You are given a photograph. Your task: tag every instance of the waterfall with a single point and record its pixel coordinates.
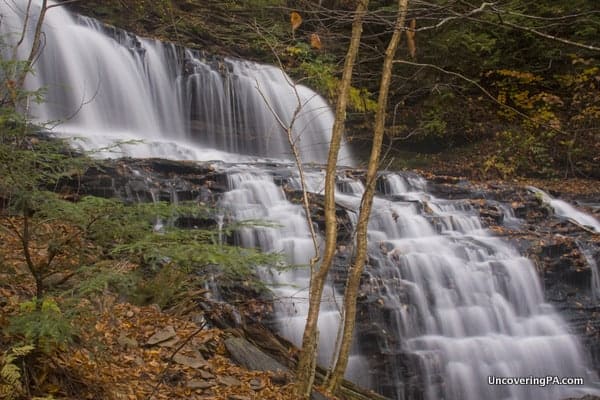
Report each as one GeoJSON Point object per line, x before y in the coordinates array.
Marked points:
{"type": "Point", "coordinates": [466, 304]}
{"type": "Point", "coordinates": [107, 86]}
{"type": "Point", "coordinates": [444, 305]}
{"type": "Point", "coordinates": [254, 196]}
{"type": "Point", "coordinates": [594, 270]}
{"type": "Point", "coordinates": [566, 210]}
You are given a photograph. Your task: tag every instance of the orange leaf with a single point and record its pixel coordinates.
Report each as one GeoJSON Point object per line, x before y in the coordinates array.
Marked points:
{"type": "Point", "coordinates": [410, 38]}
{"type": "Point", "coordinates": [295, 20]}
{"type": "Point", "coordinates": [315, 41]}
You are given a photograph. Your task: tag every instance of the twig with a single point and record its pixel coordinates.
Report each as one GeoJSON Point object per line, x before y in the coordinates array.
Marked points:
{"type": "Point", "coordinates": [584, 227]}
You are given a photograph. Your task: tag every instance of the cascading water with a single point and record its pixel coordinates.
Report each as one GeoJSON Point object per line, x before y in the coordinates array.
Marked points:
{"type": "Point", "coordinates": [595, 271]}
{"type": "Point", "coordinates": [565, 210]}
{"type": "Point", "coordinates": [466, 304]}
{"type": "Point", "coordinates": [107, 85]}
{"type": "Point", "coordinates": [461, 303]}
{"type": "Point", "coordinates": [254, 196]}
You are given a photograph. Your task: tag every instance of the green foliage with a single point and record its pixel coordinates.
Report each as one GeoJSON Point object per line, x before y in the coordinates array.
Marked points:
{"type": "Point", "coordinates": [194, 251]}
{"type": "Point", "coordinates": [433, 124]}
{"type": "Point", "coordinates": [102, 278]}
{"type": "Point", "coordinates": [162, 287]}
{"type": "Point", "coordinates": [10, 374]}
{"type": "Point", "coordinates": [320, 73]}
{"type": "Point", "coordinates": [43, 324]}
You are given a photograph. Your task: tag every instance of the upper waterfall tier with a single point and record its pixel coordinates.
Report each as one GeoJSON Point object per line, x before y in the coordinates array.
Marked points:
{"type": "Point", "coordinates": [106, 85]}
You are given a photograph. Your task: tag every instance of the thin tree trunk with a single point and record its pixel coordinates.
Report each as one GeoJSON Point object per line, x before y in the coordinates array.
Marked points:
{"type": "Point", "coordinates": [305, 370]}
{"type": "Point", "coordinates": [36, 46]}
{"type": "Point", "coordinates": [355, 273]}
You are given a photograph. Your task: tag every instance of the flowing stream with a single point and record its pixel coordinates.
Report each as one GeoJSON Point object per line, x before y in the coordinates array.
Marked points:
{"type": "Point", "coordinates": [439, 290]}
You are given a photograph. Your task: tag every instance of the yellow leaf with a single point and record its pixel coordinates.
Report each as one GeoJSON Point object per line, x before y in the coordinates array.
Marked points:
{"type": "Point", "coordinates": [295, 20]}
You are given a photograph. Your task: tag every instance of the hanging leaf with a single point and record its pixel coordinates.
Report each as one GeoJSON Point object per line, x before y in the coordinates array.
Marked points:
{"type": "Point", "coordinates": [295, 20]}
{"type": "Point", "coordinates": [315, 41]}
{"type": "Point", "coordinates": [410, 38]}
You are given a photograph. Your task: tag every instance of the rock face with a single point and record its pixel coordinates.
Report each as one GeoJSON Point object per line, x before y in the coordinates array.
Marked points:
{"type": "Point", "coordinates": [150, 180]}
{"type": "Point", "coordinates": [564, 253]}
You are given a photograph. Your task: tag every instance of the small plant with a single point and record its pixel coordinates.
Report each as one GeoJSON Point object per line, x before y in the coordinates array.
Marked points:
{"type": "Point", "coordinates": [11, 375]}
{"type": "Point", "coordinates": [44, 327]}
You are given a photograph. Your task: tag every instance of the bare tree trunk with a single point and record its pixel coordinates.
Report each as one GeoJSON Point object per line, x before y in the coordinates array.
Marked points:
{"type": "Point", "coordinates": [354, 275]}
{"type": "Point", "coordinates": [307, 360]}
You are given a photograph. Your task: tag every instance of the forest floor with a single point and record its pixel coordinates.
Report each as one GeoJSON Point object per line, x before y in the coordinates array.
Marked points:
{"type": "Point", "coordinates": [123, 351]}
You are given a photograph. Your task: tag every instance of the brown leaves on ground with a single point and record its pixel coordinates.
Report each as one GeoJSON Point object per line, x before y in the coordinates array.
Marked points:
{"type": "Point", "coordinates": [111, 357]}
{"type": "Point", "coordinates": [126, 367]}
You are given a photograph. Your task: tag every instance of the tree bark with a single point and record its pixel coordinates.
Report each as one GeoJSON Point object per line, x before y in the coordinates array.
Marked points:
{"type": "Point", "coordinates": [353, 280]}
{"type": "Point", "coordinates": [305, 370]}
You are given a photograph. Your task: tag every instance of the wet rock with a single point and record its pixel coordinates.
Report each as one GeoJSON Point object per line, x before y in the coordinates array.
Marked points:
{"type": "Point", "coordinates": [193, 362]}
{"type": "Point", "coordinates": [460, 190]}
{"type": "Point", "coordinates": [170, 342]}
{"type": "Point", "coordinates": [491, 214]}
{"type": "Point", "coordinates": [250, 356]}
{"type": "Point", "coordinates": [205, 374]}
{"type": "Point", "coordinates": [162, 335]}
{"type": "Point", "coordinates": [200, 384]}
{"type": "Point", "coordinates": [280, 378]}
{"type": "Point", "coordinates": [257, 384]}
{"type": "Point", "coordinates": [228, 381]}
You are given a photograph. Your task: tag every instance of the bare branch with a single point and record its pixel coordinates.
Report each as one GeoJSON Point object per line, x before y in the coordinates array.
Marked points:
{"type": "Point", "coordinates": [483, 90]}
{"type": "Point", "coordinates": [478, 10]}
{"type": "Point", "coordinates": [471, 81]}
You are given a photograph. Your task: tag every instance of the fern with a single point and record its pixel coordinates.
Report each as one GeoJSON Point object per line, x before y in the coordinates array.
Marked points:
{"type": "Point", "coordinates": [10, 374]}
{"type": "Point", "coordinates": [46, 326]}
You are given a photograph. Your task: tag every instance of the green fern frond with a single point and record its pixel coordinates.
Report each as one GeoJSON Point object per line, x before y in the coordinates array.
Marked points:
{"type": "Point", "coordinates": [10, 374]}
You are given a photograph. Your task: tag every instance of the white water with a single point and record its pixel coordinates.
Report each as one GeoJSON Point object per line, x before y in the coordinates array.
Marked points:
{"type": "Point", "coordinates": [595, 271]}
{"type": "Point", "coordinates": [564, 209]}
{"type": "Point", "coordinates": [464, 303]}
{"type": "Point", "coordinates": [106, 85]}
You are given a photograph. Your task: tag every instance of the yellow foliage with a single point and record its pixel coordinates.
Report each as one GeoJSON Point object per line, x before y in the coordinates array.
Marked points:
{"type": "Point", "coordinates": [10, 374]}
{"type": "Point", "coordinates": [524, 77]}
